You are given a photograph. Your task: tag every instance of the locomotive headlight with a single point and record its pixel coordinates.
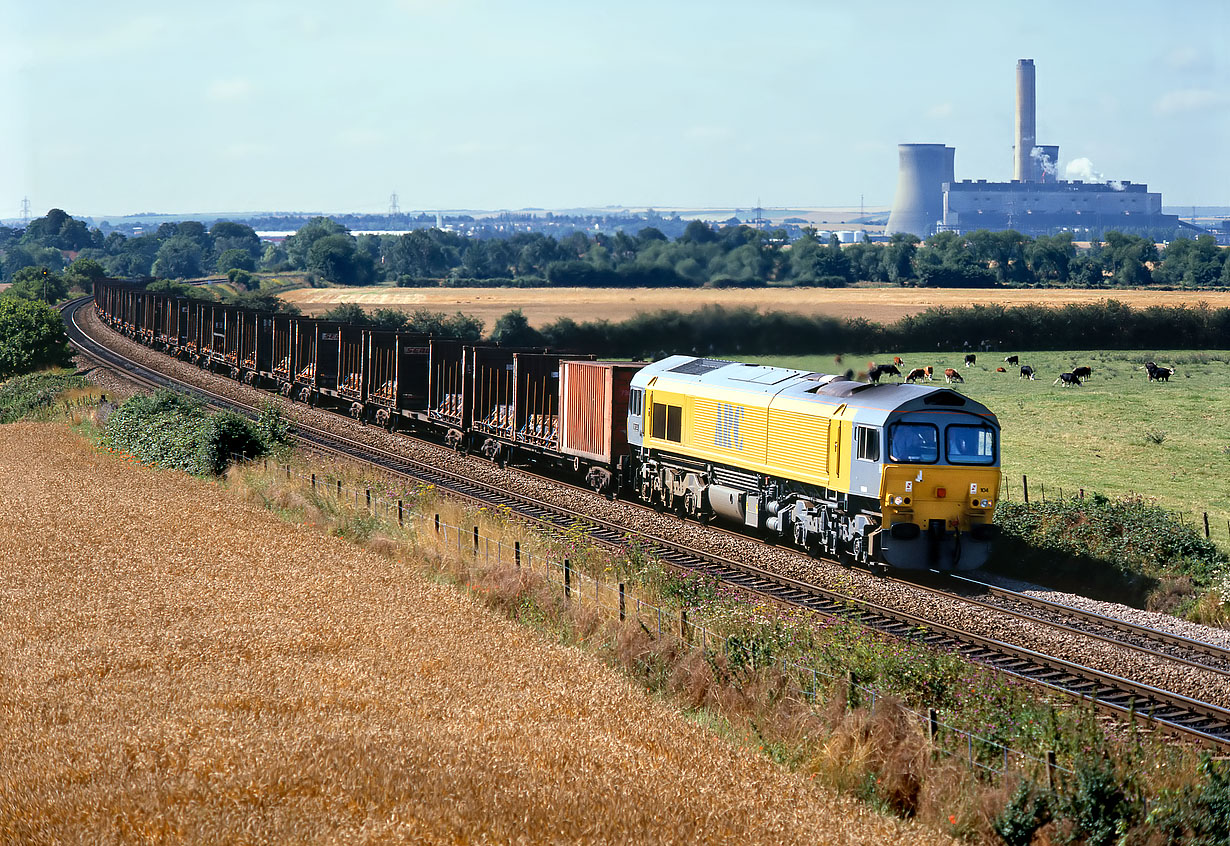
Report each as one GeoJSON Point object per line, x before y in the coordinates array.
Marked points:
{"type": "Point", "coordinates": [986, 503]}
{"type": "Point", "coordinates": [897, 500]}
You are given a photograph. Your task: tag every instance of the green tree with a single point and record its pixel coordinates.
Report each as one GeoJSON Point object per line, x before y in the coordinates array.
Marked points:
{"type": "Point", "coordinates": [514, 330]}
{"type": "Point", "coordinates": [337, 258]}
{"type": "Point", "coordinates": [300, 244]}
{"type": "Point", "coordinates": [352, 313]}
{"type": "Point", "coordinates": [264, 301]}
{"type": "Point", "coordinates": [58, 230]}
{"type": "Point", "coordinates": [899, 257]}
{"type": "Point", "coordinates": [31, 337]}
{"type": "Point", "coordinates": [227, 235]}
{"type": "Point", "coordinates": [179, 257]}
{"type": "Point", "coordinates": [37, 283]}
{"type": "Point", "coordinates": [236, 258]}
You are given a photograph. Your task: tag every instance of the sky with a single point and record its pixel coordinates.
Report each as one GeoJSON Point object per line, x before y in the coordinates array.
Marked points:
{"type": "Point", "coordinates": [118, 108]}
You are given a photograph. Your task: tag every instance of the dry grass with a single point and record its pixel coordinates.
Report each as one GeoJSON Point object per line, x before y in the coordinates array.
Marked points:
{"type": "Point", "coordinates": [177, 665]}
{"type": "Point", "coordinates": [543, 305]}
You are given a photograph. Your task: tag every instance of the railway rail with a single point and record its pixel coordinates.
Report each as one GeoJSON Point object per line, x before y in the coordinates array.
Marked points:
{"type": "Point", "coordinates": [1207, 722]}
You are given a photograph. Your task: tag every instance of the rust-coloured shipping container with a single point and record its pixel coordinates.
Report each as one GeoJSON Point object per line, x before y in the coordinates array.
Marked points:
{"type": "Point", "coordinates": [594, 408]}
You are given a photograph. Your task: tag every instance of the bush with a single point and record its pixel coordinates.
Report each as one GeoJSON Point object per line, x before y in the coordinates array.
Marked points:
{"type": "Point", "coordinates": [226, 435]}
{"type": "Point", "coordinates": [174, 431]}
{"type": "Point", "coordinates": [1100, 804]}
{"type": "Point", "coordinates": [24, 396]}
{"type": "Point", "coordinates": [1027, 811]}
{"type": "Point", "coordinates": [1193, 814]}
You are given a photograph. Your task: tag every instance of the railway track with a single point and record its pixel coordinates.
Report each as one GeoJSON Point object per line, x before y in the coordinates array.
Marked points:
{"type": "Point", "coordinates": [1205, 721]}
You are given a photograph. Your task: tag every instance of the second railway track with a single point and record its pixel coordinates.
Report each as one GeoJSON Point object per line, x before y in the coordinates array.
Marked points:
{"type": "Point", "coordinates": [1208, 721]}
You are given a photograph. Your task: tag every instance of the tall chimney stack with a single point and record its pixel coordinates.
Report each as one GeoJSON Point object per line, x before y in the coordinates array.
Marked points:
{"type": "Point", "coordinates": [1026, 131]}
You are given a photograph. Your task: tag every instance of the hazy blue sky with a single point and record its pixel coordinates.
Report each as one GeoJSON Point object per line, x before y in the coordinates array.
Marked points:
{"type": "Point", "coordinates": [116, 108]}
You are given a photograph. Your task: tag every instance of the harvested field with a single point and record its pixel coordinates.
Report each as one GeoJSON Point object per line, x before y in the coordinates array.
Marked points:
{"type": "Point", "coordinates": [175, 665]}
{"type": "Point", "coordinates": [884, 305]}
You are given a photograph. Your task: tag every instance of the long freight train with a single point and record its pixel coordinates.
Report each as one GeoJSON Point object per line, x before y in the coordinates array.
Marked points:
{"type": "Point", "coordinates": [888, 475]}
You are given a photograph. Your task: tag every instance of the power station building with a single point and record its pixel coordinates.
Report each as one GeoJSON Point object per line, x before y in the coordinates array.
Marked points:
{"type": "Point", "coordinates": [1035, 202]}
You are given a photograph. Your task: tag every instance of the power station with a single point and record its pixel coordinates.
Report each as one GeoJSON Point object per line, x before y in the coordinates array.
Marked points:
{"type": "Point", "coordinates": [1036, 202]}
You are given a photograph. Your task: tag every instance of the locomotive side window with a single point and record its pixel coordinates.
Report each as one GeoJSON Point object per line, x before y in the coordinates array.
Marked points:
{"type": "Point", "coordinates": [970, 444]}
{"type": "Point", "coordinates": [634, 402]}
{"type": "Point", "coordinates": [667, 422]}
{"type": "Point", "coordinates": [866, 443]}
{"type": "Point", "coordinates": [914, 443]}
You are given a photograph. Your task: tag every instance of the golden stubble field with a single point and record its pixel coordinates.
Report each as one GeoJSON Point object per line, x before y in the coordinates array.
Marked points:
{"type": "Point", "coordinates": [175, 665]}
{"type": "Point", "coordinates": [883, 305]}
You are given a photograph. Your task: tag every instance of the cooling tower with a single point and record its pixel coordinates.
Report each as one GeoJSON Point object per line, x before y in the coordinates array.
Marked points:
{"type": "Point", "coordinates": [922, 172]}
{"type": "Point", "coordinates": [1026, 115]}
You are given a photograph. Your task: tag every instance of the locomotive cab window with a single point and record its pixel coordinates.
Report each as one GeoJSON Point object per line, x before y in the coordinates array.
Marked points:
{"type": "Point", "coordinates": [667, 422]}
{"type": "Point", "coordinates": [634, 402]}
{"type": "Point", "coordinates": [970, 444]}
{"type": "Point", "coordinates": [866, 443]}
{"type": "Point", "coordinates": [914, 443]}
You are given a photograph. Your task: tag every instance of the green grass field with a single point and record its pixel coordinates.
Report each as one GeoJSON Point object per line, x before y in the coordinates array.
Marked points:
{"type": "Point", "coordinates": [1103, 436]}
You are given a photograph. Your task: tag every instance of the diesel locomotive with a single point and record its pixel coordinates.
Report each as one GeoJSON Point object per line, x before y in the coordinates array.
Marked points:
{"type": "Point", "coordinates": [880, 475]}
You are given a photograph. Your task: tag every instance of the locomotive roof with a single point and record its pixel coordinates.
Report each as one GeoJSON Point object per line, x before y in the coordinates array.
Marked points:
{"type": "Point", "coordinates": [876, 401]}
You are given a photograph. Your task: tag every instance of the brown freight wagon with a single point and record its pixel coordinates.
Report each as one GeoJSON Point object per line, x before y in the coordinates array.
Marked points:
{"type": "Point", "coordinates": [594, 419]}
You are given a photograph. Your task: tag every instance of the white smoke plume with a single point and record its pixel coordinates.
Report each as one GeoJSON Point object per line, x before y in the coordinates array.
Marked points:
{"type": "Point", "coordinates": [1082, 169]}
{"type": "Point", "coordinates": [1044, 161]}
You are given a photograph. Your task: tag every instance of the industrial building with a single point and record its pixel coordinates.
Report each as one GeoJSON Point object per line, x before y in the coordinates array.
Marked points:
{"type": "Point", "coordinates": [1035, 202]}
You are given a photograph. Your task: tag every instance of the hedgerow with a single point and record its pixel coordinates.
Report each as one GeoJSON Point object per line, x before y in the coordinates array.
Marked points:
{"type": "Point", "coordinates": [1123, 547]}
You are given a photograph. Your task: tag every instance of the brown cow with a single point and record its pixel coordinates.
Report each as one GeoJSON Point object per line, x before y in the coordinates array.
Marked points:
{"type": "Point", "coordinates": [1000, 370]}
{"type": "Point", "coordinates": [916, 374]}
{"type": "Point", "coordinates": [897, 360]}
{"type": "Point", "coordinates": [930, 371]}
{"type": "Point", "coordinates": [951, 376]}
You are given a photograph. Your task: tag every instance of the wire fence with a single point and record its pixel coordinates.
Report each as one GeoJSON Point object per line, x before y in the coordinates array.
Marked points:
{"type": "Point", "coordinates": [811, 684]}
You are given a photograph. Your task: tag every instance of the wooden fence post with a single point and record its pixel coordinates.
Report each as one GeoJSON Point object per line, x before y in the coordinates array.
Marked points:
{"type": "Point", "coordinates": [567, 580]}
{"type": "Point", "coordinates": [1025, 487]}
{"type": "Point", "coordinates": [400, 517]}
{"type": "Point", "coordinates": [517, 554]}
{"type": "Point", "coordinates": [476, 541]}
{"type": "Point", "coordinates": [933, 724]}
{"type": "Point", "coordinates": [313, 481]}
{"type": "Point", "coordinates": [1050, 769]}
{"type": "Point", "coordinates": [621, 602]}
{"type": "Point", "coordinates": [1206, 524]}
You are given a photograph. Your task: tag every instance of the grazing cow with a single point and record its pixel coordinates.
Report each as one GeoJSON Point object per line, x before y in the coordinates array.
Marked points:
{"type": "Point", "coordinates": [1067, 380]}
{"type": "Point", "coordinates": [916, 374]}
{"type": "Point", "coordinates": [1082, 372]}
{"type": "Point", "coordinates": [970, 358]}
{"type": "Point", "coordinates": [1012, 359]}
{"type": "Point", "coordinates": [1000, 370]}
{"type": "Point", "coordinates": [951, 376]}
{"type": "Point", "coordinates": [1027, 372]}
{"type": "Point", "coordinates": [878, 370]}
{"type": "Point", "coordinates": [930, 372]}
{"type": "Point", "coordinates": [897, 360]}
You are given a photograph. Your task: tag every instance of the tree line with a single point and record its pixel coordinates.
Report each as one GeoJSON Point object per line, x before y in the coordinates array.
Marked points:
{"type": "Point", "coordinates": [736, 255]}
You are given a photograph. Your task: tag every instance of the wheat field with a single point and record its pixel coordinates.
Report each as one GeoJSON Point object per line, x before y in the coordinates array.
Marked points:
{"type": "Point", "coordinates": [176, 665]}
{"type": "Point", "coordinates": [879, 304]}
